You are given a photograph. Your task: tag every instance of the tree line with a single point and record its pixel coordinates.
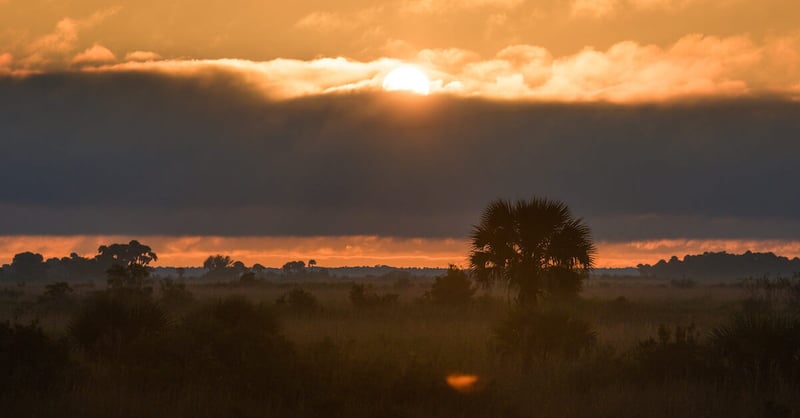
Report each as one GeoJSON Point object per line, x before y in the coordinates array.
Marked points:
{"type": "Point", "coordinates": [722, 266]}
{"type": "Point", "coordinates": [31, 267]}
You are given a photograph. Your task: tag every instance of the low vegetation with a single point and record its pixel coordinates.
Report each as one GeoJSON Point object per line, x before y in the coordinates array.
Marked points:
{"type": "Point", "coordinates": [243, 343]}
{"type": "Point", "coordinates": [308, 351]}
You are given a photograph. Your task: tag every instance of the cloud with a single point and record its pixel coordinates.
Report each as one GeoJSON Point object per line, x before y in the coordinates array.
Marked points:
{"type": "Point", "coordinates": [55, 47]}
{"type": "Point", "coordinates": [140, 56]}
{"type": "Point", "coordinates": [200, 152]}
{"type": "Point", "coordinates": [327, 22]}
{"type": "Point", "coordinates": [607, 8]}
{"type": "Point", "coordinates": [695, 66]}
{"type": "Point", "coordinates": [95, 55]}
{"type": "Point", "coordinates": [447, 6]}
{"type": "Point", "coordinates": [6, 61]}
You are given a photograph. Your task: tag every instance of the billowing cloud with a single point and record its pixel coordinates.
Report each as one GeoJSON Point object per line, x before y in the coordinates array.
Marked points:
{"type": "Point", "coordinates": [142, 56]}
{"type": "Point", "coordinates": [55, 47]}
{"type": "Point", "coordinates": [607, 8]}
{"type": "Point", "coordinates": [695, 66]}
{"type": "Point", "coordinates": [94, 55]}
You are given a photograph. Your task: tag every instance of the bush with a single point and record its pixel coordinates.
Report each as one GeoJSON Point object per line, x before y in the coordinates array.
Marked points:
{"type": "Point", "coordinates": [453, 288]}
{"type": "Point", "coordinates": [362, 296]}
{"type": "Point", "coordinates": [29, 360]}
{"type": "Point", "coordinates": [117, 326]}
{"type": "Point", "coordinates": [673, 354]}
{"type": "Point", "coordinates": [57, 296]}
{"type": "Point", "coordinates": [402, 283]}
{"type": "Point", "coordinates": [175, 293]}
{"type": "Point", "coordinates": [759, 344]}
{"type": "Point", "coordinates": [248, 278]}
{"type": "Point", "coordinates": [298, 300]}
{"type": "Point", "coordinates": [536, 335]}
{"type": "Point", "coordinates": [683, 283]}
{"type": "Point", "coordinates": [233, 342]}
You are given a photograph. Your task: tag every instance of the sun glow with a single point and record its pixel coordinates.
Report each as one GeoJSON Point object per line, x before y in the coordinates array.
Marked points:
{"type": "Point", "coordinates": [409, 79]}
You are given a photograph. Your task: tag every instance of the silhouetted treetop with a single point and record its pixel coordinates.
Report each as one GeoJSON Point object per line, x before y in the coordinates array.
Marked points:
{"type": "Point", "coordinates": [535, 246]}
{"type": "Point", "coordinates": [126, 254]}
{"type": "Point", "coordinates": [722, 265]}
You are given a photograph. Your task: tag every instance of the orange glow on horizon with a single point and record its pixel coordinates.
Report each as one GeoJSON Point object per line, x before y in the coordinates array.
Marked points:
{"type": "Point", "coordinates": [361, 250]}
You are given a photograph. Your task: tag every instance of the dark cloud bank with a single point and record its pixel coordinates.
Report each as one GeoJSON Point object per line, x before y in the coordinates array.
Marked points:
{"type": "Point", "coordinates": [154, 154]}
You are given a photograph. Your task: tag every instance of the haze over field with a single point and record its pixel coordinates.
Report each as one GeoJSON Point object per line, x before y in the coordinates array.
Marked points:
{"type": "Point", "coordinates": [264, 130]}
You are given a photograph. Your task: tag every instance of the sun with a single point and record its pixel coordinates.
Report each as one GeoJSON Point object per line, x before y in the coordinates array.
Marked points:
{"type": "Point", "coordinates": [409, 79]}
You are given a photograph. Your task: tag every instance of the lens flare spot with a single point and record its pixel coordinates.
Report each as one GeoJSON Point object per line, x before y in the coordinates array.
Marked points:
{"type": "Point", "coordinates": [463, 383]}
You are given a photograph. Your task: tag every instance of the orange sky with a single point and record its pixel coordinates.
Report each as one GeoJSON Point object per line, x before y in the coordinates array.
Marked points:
{"type": "Point", "coordinates": [362, 250]}
{"type": "Point", "coordinates": [577, 50]}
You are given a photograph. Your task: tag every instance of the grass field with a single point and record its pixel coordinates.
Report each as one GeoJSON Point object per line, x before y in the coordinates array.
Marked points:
{"type": "Point", "coordinates": [394, 360]}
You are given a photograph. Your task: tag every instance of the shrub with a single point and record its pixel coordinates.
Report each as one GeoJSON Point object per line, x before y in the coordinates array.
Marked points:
{"type": "Point", "coordinates": [537, 335]}
{"type": "Point", "coordinates": [298, 300]}
{"type": "Point", "coordinates": [234, 342]}
{"type": "Point", "coordinates": [57, 294]}
{"type": "Point", "coordinates": [175, 293]}
{"type": "Point", "coordinates": [683, 283]}
{"type": "Point", "coordinates": [117, 326]}
{"type": "Point", "coordinates": [29, 360]}
{"type": "Point", "coordinates": [129, 278]}
{"type": "Point", "coordinates": [402, 283]}
{"type": "Point", "coordinates": [248, 278]}
{"type": "Point", "coordinates": [362, 296]}
{"type": "Point", "coordinates": [758, 343]}
{"type": "Point", "coordinates": [672, 354]}
{"type": "Point", "coordinates": [9, 293]}
{"type": "Point", "coordinates": [453, 288]}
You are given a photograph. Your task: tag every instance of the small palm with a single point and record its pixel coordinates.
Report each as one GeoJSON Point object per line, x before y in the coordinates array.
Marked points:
{"type": "Point", "coordinates": [535, 246]}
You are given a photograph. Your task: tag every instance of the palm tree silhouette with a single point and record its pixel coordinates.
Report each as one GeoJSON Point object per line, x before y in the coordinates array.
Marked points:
{"type": "Point", "coordinates": [535, 246]}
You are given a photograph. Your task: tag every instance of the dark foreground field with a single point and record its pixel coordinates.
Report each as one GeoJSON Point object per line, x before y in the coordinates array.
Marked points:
{"type": "Point", "coordinates": [625, 348]}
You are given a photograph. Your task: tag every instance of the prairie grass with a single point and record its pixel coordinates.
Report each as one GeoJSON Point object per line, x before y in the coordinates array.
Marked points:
{"type": "Point", "coordinates": [393, 360]}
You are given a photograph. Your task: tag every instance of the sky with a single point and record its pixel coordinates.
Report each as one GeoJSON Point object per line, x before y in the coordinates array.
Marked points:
{"type": "Point", "coordinates": [261, 129]}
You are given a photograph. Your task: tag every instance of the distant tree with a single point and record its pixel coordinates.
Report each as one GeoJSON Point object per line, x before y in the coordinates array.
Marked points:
{"type": "Point", "coordinates": [217, 262]}
{"type": "Point", "coordinates": [126, 254]}
{"type": "Point", "coordinates": [239, 267]}
{"type": "Point", "coordinates": [535, 246]}
{"type": "Point", "coordinates": [223, 266]}
{"type": "Point", "coordinates": [292, 268]}
{"type": "Point", "coordinates": [28, 266]}
{"type": "Point", "coordinates": [452, 288]}
{"type": "Point", "coordinates": [312, 263]}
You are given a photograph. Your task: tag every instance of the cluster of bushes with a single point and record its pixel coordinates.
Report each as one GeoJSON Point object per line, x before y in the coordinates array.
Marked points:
{"type": "Point", "coordinates": [231, 351]}
{"type": "Point", "coordinates": [363, 296]}
{"type": "Point", "coordinates": [757, 344]}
